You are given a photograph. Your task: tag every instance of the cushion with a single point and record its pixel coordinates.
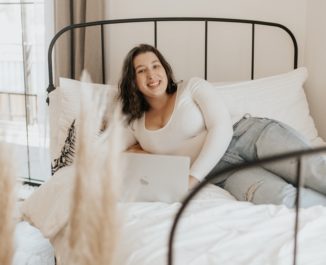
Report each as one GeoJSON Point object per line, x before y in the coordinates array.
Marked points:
{"type": "Point", "coordinates": [280, 97]}
{"type": "Point", "coordinates": [53, 197]}
{"type": "Point", "coordinates": [64, 109]}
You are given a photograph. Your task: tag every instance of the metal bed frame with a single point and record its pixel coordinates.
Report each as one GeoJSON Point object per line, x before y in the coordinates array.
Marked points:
{"type": "Point", "coordinates": [155, 21]}
{"type": "Point", "coordinates": [206, 20]}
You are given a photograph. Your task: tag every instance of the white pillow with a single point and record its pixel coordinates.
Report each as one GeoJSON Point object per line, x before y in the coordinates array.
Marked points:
{"type": "Point", "coordinates": [280, 97]}
{"type": "Point", "coordinates": [64, 108]}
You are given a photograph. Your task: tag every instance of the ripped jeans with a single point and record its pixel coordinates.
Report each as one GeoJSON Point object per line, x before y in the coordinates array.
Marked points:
{"type": "Point", "coordinates": [272, 183]}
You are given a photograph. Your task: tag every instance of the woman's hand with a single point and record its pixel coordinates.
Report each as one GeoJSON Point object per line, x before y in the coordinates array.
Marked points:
{"type": "Point", "coordinates": [192, 182]}
{"type": "Point", "coordinates": [136, 148]}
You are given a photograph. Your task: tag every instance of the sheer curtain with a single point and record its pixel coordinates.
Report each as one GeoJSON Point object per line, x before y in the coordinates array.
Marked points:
{"type": "Point", "coordinates": [27, 27]}
{"type": "Point", "coordinates": [23, 120]}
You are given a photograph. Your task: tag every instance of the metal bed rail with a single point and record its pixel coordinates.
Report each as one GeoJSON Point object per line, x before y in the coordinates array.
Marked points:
{"type": "Point", "coordinates": [155, 21]}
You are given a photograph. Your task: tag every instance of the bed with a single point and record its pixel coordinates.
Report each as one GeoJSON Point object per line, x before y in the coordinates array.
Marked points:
{"type": "Point", "coordinates": [215, 228]}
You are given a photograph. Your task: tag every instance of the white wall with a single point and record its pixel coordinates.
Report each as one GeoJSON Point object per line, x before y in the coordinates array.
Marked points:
{"type": "Point", "coordinates": [289, 12]}
{"type": "Point", "coordinates": [315, 60]}
{"type": "Point", "coordinates": [177, 51]}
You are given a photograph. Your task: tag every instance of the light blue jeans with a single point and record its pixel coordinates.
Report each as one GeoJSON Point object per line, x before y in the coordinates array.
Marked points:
{"type": "Point", "coordinates": [256, 138]}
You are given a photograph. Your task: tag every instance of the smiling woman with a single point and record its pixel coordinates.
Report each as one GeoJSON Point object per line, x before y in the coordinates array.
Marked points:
{"type": "Point", "coordinates": [159, 126]}
{"type": "Point", "coordinates": [195, 122]}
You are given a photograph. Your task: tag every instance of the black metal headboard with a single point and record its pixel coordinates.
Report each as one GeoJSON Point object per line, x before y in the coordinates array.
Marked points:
{"type": "Point", "coordinates": [102, 23]}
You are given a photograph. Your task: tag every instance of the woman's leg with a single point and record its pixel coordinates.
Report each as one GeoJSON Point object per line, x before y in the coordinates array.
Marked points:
{"type": "Point", "coordinates": [256, 138]}
{"type": "Point", "coordinates": [261, 186]}
{"type": "Point", "coordinates": [277, 138]}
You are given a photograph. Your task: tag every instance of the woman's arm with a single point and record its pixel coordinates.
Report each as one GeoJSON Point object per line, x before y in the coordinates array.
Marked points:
{"type": "Point", "coordinates": [192, 182]}
{"type": "Point", "coordinates": [130, 142]}
{"type": "Point", "coordinates": [136, 148]}
{"type": "Point", "coordinates": [128, 138]}
{"type": "Point", "coordinates": [218, 124]}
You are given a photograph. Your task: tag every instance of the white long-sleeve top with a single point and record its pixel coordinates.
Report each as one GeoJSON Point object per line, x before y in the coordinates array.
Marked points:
{"type": "Point", "coordinates": [199, 127]}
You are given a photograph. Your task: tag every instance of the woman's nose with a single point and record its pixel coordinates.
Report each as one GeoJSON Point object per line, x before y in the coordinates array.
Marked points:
{"type": "Point", "coordinates": [150, 74]}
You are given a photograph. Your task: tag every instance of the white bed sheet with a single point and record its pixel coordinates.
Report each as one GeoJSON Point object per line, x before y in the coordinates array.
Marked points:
{"type": "Point", "coordinates": [31, 248]}
{"type": "Point", "coordinates": [216, 229]}
{"type": "Point", "coordinates": [220, 230]}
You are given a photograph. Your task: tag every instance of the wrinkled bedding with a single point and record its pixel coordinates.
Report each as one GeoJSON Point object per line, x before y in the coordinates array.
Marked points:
{"type": "Point", "coordinates": [215, 229]}
{"type": "Point", "coordinates": [31, 248]}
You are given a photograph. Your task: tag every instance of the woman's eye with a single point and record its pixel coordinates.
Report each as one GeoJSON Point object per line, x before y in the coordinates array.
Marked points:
{"type": "Point", "coordinates": [156, 66]}
{"type": "Point", "coordinates": [140, 71]}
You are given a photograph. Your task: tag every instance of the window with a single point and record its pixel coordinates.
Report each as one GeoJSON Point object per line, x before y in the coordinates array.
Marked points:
{"type": "Point", "coordinates": [23, 121]}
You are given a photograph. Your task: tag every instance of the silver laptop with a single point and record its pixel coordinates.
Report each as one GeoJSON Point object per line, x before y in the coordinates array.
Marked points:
{"type": "Point", "coordinates": [159, 178]}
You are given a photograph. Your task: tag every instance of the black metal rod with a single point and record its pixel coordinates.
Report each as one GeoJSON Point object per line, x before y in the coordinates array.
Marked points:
{"type": "Point", "coordinates": [72, 42]}
{"type": "Point", "coordinates": [195, 191]}
{"type": "Point", "coordinates": [135, 20]}
{"type": "Point", "coordinates": [297, 207]}
{"type": "Point", "coordinates": [206, 43]}
{"type": "Point", "coordinates": [295, 63]}
{"type": "Point", "coordinates": [155, 34]}
{"type": "Point", "coordinates": [253, 52]}
{"type": "Point", "coordinates": [103, 54]}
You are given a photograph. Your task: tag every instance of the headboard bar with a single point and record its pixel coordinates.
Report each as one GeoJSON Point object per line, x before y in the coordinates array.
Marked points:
{"type": "Point", "coordinates": [253, 51]}
{"type": "Point", "coordinates": [103, 54]}
{"type": "Point", "coordinates": [206, 43]}
{"type": "Point", "coordinates": [155, 34]}
{"type": "Point", "coordinates": [72, 38]}
{"type": "Point", "coordinates": [51, 86]}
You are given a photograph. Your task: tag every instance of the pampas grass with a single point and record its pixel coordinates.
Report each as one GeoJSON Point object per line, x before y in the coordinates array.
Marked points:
{"type": "Point", "coordinates": [93, 226]}
{"type": "Point", "coordinates": [7, 199]}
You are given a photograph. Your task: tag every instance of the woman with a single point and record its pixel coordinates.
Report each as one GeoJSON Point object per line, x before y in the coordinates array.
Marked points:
{"type": "Point", "coordinates": [189, 118]}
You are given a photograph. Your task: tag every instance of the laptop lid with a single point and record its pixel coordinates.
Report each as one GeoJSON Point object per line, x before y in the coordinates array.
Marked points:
{"type": "Point", "coordinates": [149, 177]}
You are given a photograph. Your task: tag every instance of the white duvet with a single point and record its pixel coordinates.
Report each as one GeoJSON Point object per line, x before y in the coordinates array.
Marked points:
{"type": "Point", "coordinates": [215, 229]}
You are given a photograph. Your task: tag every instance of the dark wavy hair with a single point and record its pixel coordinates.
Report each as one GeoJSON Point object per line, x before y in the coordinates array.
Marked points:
{"type": "Point", "coordinates": [134, 103]}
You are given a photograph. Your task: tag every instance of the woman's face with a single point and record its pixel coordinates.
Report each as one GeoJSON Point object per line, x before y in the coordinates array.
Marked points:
{"type": "Point", "coordinates": [151, 78]}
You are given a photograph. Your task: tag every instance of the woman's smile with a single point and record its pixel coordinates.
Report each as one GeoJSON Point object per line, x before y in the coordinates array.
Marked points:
{"type": "Point", "coordinates": [153, 84]}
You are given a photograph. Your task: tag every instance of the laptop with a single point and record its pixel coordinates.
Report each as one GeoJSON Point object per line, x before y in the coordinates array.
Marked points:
{"type": "Point", "coordinates": [154, 178]}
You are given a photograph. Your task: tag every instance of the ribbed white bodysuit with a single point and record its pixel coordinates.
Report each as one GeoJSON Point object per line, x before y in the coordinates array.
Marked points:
{"type": "Point", "coordinates": [199, 127]}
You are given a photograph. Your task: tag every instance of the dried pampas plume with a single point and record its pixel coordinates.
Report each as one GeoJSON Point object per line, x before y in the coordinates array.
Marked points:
{"type": "Point", "coordinates": [7, 199]}
{"type": "Point", "coordinates": [93, 226]}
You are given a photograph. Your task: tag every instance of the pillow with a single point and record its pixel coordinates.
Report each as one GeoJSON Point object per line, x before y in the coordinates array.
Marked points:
{"type": "Point", "coordinates": [48, 207]}
{"type": "Point", "coordinates": [64, 109]}
{"type": "Point", "coordinates": [280, 97]}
